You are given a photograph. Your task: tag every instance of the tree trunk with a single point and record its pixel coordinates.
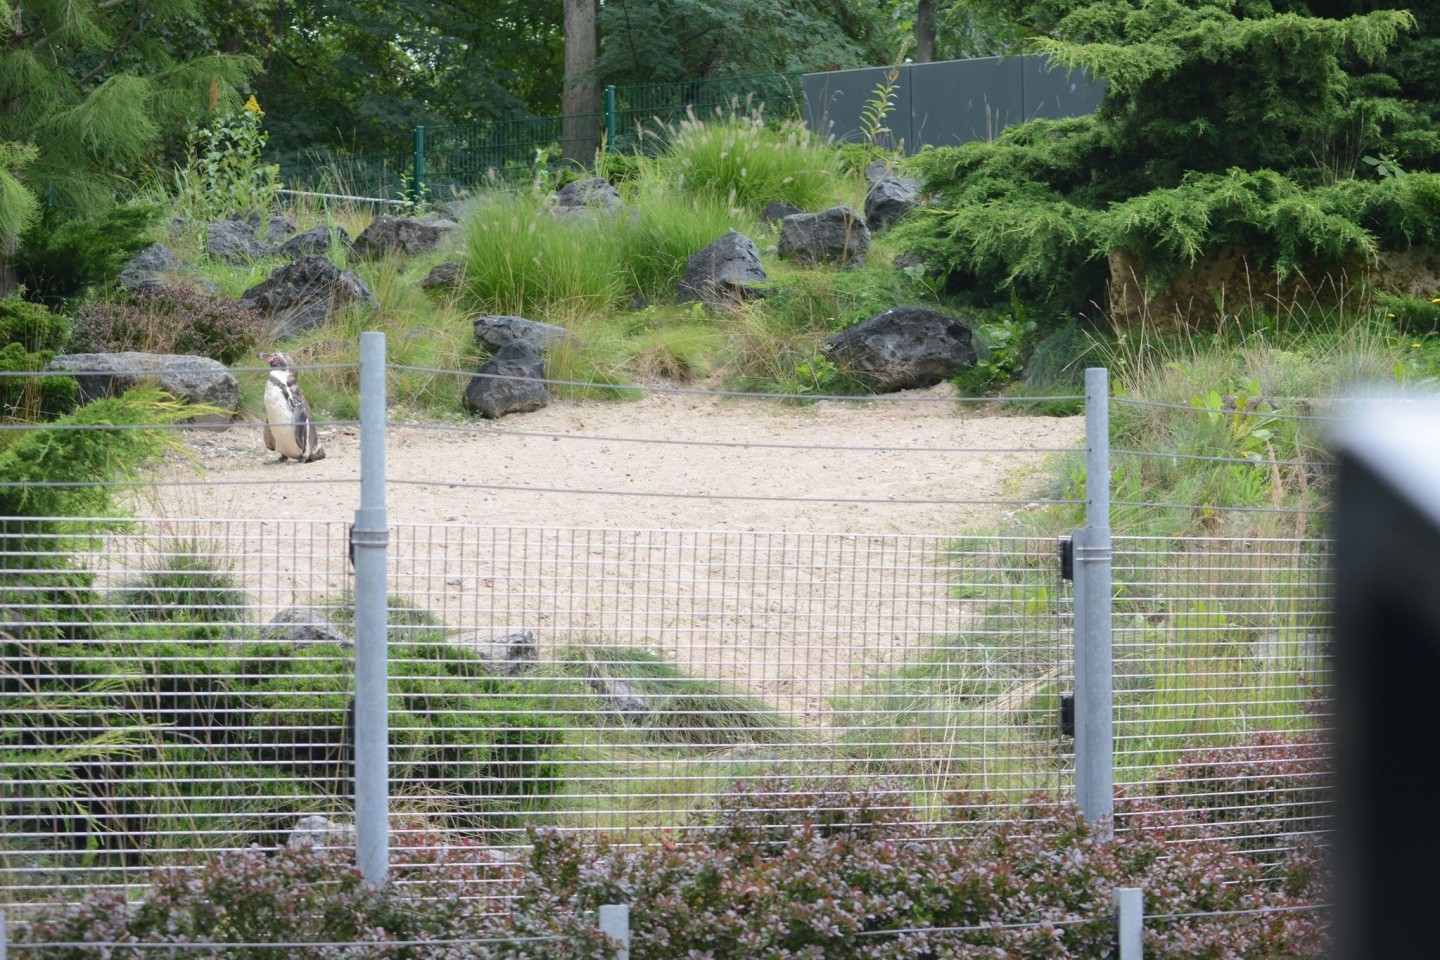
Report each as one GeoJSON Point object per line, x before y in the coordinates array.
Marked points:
{"type": "Point", "coordinates": [8, 281]}
{"type": "Point", "coordinates": [925, 31]}
{"type": "Point", "coordinates": [580, 128]}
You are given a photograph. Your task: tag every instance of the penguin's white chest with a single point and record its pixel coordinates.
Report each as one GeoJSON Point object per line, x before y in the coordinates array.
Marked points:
{"type": "Point", "coordinates": [280, 415]}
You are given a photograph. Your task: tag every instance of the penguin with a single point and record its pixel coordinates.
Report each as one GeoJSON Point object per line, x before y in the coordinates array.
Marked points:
{"type": "Point", "coordinates": [289, 428]}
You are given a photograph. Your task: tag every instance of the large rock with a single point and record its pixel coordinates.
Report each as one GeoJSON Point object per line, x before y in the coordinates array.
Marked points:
{"type": "Point", "coordinates": [315, 831]}
{"type": "Point", "coordinates": [302, 626]}
{"type": "Point", "coordinates": [279, 227]}
{"type": "Point", "coordinates": [402, 235]}
{"type": "Point", "coordinates": [444, 276]}
{"type": "Point", "coordinates": [234, 241]}
{"type": "Point", "coordinates": [775, 211]}
{"type": "Point", "coordinates": [196, 379]}
{"type": "Point", "coordinates": [151, 270]}
{"type": "Point", "coordinates": [316, 240]}
{"type": "Point", "coordinates": [830, 236]}
{"type": "Point", "coordinates": [494, 332]}
{"type": "Point", "coordinates": [889, 200]}
{"type": "Point", "coordinates": [902, 349]}
{"type": "Point", "coordinates": [720, 273]}
{"type": "Point", "coordinates": [304, 294]}
{"type": "Point", "coordinates": [621, 699]}
{"type": "Point", "coordinates": [580, 194]}
{"type": "Point", "coordinates": [509, 382]}
{"type": "Point", "coordinates": [509, 655]}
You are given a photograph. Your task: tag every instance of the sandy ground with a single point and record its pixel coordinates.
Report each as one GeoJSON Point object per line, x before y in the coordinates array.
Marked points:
{"type": "Point", "coordinates": [910, 467]}
{"type": "Point", "coordinates": [785, 549]}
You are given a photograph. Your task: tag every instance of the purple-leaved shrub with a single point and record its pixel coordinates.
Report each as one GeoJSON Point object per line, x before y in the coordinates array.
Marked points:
{"type": "Point", "coordinates": [180, 319]}
{"type": "Point", "coordinates": [863, 879]}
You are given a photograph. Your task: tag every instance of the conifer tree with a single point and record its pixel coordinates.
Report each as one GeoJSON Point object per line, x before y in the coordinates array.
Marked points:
{"type": "Point", "coordinates": [87, 88]}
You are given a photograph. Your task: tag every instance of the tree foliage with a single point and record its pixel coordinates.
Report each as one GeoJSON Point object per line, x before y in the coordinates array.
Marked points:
{"type": "Point", "coordinates": [652, 41]}
{"type": "Point", "coordinates": [87, 88]}
{"type": "Point", "coordinates": [1221, 124]}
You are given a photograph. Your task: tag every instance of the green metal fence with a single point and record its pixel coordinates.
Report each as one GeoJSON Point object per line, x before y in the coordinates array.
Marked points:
{"type": "Point", "coordinates": [445, 162]}
{"type": "Point", "coordinates": [641, 111]}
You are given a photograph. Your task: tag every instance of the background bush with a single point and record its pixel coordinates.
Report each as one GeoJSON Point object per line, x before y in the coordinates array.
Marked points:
{"type": "Point", "coordinates": [83, 255]}
{"type": "Point", "coordinates": [844, 886]}
{"type": "Point", "coordinates": [181, 319]}
{"type": "Point", "coordinates": [30, 336]}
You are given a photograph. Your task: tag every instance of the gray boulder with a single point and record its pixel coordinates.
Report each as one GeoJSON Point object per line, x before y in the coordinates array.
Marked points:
{"type": "Point", "coordinates": [835, 236]}
{"type": "Point", "coordinates": [304, 294]}
{"type": "Point", "coordinates": [720, 273]}
{"type": "Point", "coordinates": [316, 240]}
{"type": "Point", "coordinates": [152, 270]}
{"type": "Point", "coordinates": [509, 655]}
{"type": "Point", "coordinates": [879, 170]}
{"type": "Point", "coordinates": [494, 332]}
{"type": "Point", "coordinates": [889, 200]}
{"type": "Point", "coordinates": [155, 258]}
{"type": "Point", "coordinates": [279, 227]}
{"type": "Point", "coordinates": [621, 699]}
{"type": "Point", "coordinates": [302, 626]}
{"type": "Point", "coordinates": [321, 833]}
{"type": "Point", "coordinates": [195, 379]}
{"type": "Point", "coordinates": [594, 192]}
{"type": "Point", "coordinates": [234, 241]}
{"type": "Point", "coordinates": [444, 276]}
{"type": "Point", "coordinates": [399, 235]}
{"type": "Point", "coordinates": [775, 211]}
{"type": "Point", "coordinates": [509, 382]}
{"type": "Point", "coordinates": [902, 349]}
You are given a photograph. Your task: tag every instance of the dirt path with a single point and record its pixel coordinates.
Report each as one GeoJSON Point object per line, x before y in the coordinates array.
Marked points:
{"type": "Point", "coordinates": [760, 567]}
{"type": "Point", "coordinates": [516, 471]}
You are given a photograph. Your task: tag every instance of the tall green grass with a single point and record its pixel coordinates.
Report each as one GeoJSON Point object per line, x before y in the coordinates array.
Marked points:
{"type": "Point", "coordinates": [521, 260]}
{"type": "Point", "coordinates": [743, 161]}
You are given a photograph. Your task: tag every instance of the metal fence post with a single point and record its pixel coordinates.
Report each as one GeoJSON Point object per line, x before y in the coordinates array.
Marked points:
{"type": "Point", "coordinates": [1130, 910]}
{"type": "Point", "coordinates": [1094, 685]}
{"type": "Point", "coordinates": [369, 540]}
{"type": "Point", "coordinates": [610, 121]}
{"type": "Point", "coordinates": [615, 924]}
{"type": "Point", "coordinates": [417, 187]}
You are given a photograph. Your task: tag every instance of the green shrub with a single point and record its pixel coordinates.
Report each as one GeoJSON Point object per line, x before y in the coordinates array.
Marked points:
{"type": "Point", "coordinates": [81, 255]}
{"type": "Point", "coordinates": [184, 586]}
{"type": "Point", "coordinates": [1413, 316]}
{"type": "Point", "coordinates": [187, 714]}
{"type": "Point", "coordinates": [181, 319]}
{"type": "Point", "coordinates": [30, 336]}
{"type": "Point", "coordinates": [224, 174]}
{"type": "Point", "coordinates": [748, 164]}
{"type": "Point", "coordinates": [59, 473]}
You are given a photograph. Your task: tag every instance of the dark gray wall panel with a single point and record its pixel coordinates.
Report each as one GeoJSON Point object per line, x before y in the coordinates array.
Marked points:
{"type": "Point", "coordinates": [1055, 93]}
{"type": "Point", "coordinates": [835, 102]}
{"type": "Point", "coordinates": [951, 102]}
{"type": "Point", "coordinates": [958, 101]}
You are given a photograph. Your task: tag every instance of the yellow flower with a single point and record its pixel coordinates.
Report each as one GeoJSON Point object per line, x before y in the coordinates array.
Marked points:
{"type": "Point", "coordinates": [1414, 346]}
{"type": "Point", "coordinates": [1435, 299]}
{"type": "Point", "coordinates": [1390, 315]}
{"type": "Point", "coordinates": [253, 106]}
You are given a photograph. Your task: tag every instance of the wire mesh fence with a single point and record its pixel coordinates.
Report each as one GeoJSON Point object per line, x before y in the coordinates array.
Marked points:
{"type": "Point", "coordinates": [1221, 679]}
{"type": "Point", "coordinates": [194, 693]}
{"type": "Point", "coordinates": [182, 685]}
